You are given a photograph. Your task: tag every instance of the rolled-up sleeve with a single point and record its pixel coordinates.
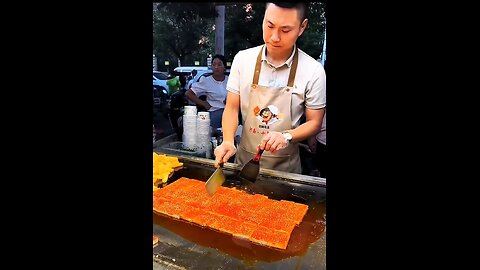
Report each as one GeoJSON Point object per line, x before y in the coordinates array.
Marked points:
{"type": "Point", "coordinates": [315, 95]}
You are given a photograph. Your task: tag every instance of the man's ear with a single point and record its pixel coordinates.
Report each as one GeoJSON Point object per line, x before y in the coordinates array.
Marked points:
{"type": "Point", "coordinates": [303, 26]}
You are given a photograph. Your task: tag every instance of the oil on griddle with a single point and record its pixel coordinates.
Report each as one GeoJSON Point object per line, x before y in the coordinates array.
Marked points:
{"type": "Point", "coordinates": [205, 229]}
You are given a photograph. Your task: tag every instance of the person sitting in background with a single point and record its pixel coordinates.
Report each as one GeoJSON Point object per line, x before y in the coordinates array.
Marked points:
{"type": "Point", "coordinates": [214, 87]}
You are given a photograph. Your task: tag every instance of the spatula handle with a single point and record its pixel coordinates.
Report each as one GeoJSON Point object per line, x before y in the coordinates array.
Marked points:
{"type": "Point", "coordinates": [259, 153]}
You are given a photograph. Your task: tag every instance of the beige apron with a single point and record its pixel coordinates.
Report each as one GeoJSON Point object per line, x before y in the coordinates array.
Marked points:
{"type": "Point", "coordinates": [274, 104]}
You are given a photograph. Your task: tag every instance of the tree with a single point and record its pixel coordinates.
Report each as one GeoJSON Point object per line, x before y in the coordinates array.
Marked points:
{"type": "Point", "coordinates": [311, 41]}
{"type": "Point", "coordinates": [180, 29]}
{"type": "Point", "coordinates": [243, 28]}
{"type": "Point", "coordinates": [186, 30]}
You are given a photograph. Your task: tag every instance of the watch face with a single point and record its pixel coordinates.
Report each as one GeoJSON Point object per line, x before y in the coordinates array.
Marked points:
{"type": "Point", "coordinates": [287, 136]}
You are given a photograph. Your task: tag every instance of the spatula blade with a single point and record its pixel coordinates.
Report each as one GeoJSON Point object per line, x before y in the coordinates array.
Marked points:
{"type": "Point", "coordinates": [250, 171]}
{"type": "Point", "coordinates": [215, 181]}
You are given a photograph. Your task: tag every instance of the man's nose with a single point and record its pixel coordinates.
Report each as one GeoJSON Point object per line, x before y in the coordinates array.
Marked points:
{"type": "Point", "coordinates": [275, 36]}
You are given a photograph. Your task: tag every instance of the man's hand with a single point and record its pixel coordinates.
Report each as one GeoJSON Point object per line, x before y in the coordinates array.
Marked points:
{"type": "Point", "coordinates": [273, 141]}
{"type": "Point", "coordinates": [223, 152]}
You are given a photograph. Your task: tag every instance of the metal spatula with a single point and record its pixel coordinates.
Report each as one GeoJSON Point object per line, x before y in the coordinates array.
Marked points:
{"type": "Point", "coordinates": [250, 170]}
{"type": "Point", "coordinates": [215, 180]}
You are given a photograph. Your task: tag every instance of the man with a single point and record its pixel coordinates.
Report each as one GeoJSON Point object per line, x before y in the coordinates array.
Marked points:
{"type": "Point", "coordinates": [274, 75]}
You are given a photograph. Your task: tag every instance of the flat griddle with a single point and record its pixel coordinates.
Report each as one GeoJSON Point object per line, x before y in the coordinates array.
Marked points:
{"type": "Point", "coordinates": [184, 245]}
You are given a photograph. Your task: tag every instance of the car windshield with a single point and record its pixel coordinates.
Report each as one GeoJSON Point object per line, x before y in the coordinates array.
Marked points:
{"type": "Point", "coordinates": [160, 76]}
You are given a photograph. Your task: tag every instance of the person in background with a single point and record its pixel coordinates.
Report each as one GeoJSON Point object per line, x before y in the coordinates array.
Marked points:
{"type": "Point", "coordinates": [318, 147]}
{"type": "Point", "coordinates": [190, 82]}
{"type": "Point", "coordinates": [214, 88]}
{"type": "Point", "coordinates": [176, 103]}
{"type": "Point", "coordinates": [183, 82]}
{"type": "Point", "coordinates": [189, 85]}
{"type": "Point", "coordinates": [173, 83]}
{"type": "Point", "coordinates": [282, 78]}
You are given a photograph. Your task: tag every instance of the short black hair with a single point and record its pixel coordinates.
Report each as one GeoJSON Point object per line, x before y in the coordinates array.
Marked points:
{"type": "Point", "coordinates": [222, 58]}
{"type": "Point", "coordinates": [301, 6]}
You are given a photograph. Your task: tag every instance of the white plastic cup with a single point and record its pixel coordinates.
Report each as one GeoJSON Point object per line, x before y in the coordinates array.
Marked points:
{"type": "Point", "coordinates": [190, 110]}
{"type": "Point", "coordinates": [203, 116]}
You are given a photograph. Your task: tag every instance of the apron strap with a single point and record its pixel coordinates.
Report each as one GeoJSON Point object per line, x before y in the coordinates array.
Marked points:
{"type": "Point", "coordinates": [258, 67]}
{"type": "Point", "coordinates": [293, 70]}
{"type": "Point", "coordinates": [291, 76]}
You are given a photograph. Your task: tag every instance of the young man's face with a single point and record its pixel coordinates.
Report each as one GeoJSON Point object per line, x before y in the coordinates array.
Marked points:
{"type": "Point", "coordinates": [281, 28]}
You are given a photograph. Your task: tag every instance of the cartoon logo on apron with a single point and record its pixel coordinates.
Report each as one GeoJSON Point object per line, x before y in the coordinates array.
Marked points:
{"type": "Point", "coordinates": [267, 116]}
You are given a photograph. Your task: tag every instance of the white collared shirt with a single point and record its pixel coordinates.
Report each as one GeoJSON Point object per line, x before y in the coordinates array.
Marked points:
{"type": "Point", "coordinates": [309, 85]}
{"type": "Point", "coordinates": [214, 90]}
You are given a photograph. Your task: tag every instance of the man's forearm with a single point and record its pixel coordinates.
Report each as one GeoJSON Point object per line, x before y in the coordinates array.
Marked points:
{"type": "Point", "coordinates": [305, 130]}
{"type": "Point", "coordinates": [229, 123]}
{"type": "Point", "coordinates": [311, 127]}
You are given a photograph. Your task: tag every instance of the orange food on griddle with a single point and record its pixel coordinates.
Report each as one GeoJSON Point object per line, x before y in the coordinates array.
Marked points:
{"type": "Point", "coordinates": [296, 212]}
{"type": "Point", "coordinates": [157, 201]}
{"type": "Point", "coordinates": [204, 218]}
{"type": "Point", "coordinates": [278, 224]}
{"type": "Point", "coordinates": [229, 225]}
{"type": "Point", "coordinates": [155, 240]}
{"type": "Point", "coordinates": [216, 222]}
{"type": "Point", "coordinates": [189, 213]}
{"type": "Point", "coordinates": [268, 237]}
{"type": "Point", "coordinates": [245, 230]}
{"type": "Point", "coordinates": [253, 217]}
{"type": "Point", "coordinates": [170, 208]}
{"type": "Point", "coordinates": [249, 215]}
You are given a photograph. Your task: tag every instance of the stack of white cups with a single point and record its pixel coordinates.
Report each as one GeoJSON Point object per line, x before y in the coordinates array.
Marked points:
{"type": "Point", "coordinates": [204, 132]}
{"type": "Point", "coordinates": [189, 136]}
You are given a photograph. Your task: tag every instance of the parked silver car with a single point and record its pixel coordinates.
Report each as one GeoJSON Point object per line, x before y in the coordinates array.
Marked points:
{"type": "Point", "coordinates": [160, 80]}
{"type": "Point", "coordinates": [160, 88]}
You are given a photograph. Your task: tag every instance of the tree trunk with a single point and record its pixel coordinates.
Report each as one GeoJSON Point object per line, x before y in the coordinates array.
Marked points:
{"type": "Point", "coordinates": [219, 30]}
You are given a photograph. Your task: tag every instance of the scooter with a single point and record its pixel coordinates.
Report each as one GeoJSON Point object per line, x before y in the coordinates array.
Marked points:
{"type": "Point", "coordinates": [160, 95]}
{"type": "Point", "coordinates": [176, 103]}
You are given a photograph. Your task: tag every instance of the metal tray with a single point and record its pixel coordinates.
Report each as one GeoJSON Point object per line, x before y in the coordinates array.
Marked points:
{"type": "Point", "coordinates": [184, 245]}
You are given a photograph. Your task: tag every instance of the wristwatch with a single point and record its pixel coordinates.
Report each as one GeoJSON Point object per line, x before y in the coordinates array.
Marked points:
{"type": "Point", "coordinates": [287, 136]}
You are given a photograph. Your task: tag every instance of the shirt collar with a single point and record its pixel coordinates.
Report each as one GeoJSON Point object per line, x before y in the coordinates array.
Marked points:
{"type": "Point", "coordinates": [288, 62]}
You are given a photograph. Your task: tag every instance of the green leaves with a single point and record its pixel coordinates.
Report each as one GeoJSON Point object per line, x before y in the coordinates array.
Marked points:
{"type": "Point", "coordinates": [178, 27]}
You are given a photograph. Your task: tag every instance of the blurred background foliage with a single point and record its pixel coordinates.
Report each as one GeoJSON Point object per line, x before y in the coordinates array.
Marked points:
{"type": "Point", "coordinates": [186, 31]}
